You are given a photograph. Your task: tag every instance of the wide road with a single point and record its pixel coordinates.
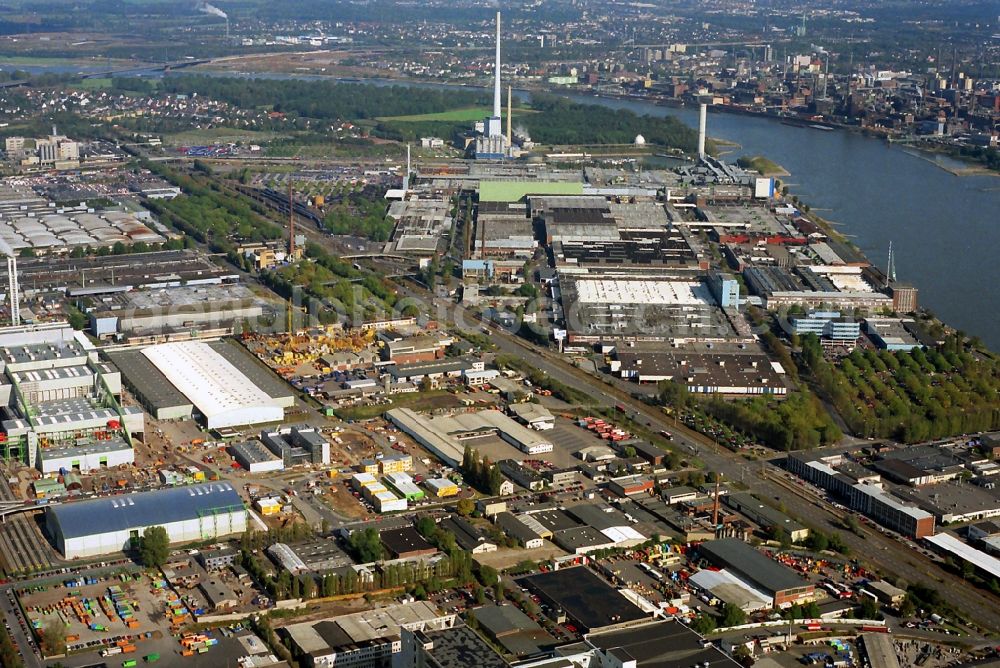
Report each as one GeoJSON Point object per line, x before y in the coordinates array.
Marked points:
{"type": "Point", "coordinates": [10, 612]}
{"type": "Point", "coordinates": [875, 549]}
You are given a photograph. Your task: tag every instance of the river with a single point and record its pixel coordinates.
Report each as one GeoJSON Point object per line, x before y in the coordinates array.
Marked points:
{"type": "Point", "coordinates": [944, 229]}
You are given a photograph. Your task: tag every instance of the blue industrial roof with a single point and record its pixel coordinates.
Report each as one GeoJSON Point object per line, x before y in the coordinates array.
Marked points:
{"type": "Point", "coordinates": [131, 511]}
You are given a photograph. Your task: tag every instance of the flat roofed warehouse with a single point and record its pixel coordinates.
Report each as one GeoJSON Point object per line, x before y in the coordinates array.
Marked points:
{"type": "Point", "coordinates": [220, 392]}
{"type": "Point", "coordinates": [601, 306]}
{"type": "Point", "coordinates": [767, 575]}
{"type": "Point", "coordinates": [102, 526]}
{"type": "Point", "coordinates": [667, 644]}
{"type": "Point", "coordinates": [150, 387]}
{"type": "Point", "coordinates": [586, 598]}
{"type": "Point", "coordinates": [615, 291]}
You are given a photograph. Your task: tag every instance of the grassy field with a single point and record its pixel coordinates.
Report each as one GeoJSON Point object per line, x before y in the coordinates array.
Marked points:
{"type": "Point", "coordinates": [419, 401]}
{"type": "Point", "coordinates": [96, 83]}
{"type": "Point", "coordinates": [212, 135]}
{"type": "Point", "coordinates": [454, 116]}
{"type": "Point", "coordinates": [763, 165]}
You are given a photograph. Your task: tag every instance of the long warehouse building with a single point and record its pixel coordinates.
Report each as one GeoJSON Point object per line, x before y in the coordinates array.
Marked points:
{"type": "Point", "coordinates": [106, 525]}
{"type": "Point", "coordinates": [222, 392]}
{"type": "Point", "coordinates": [445, 435]}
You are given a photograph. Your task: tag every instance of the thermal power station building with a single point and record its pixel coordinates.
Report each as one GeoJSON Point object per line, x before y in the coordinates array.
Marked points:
{"type": "Point", "coordinates": [62, 402]}
{"type": "Point", "coordinates": [106, 525]}
{"type": "Point", "coordinates": [493, 144]}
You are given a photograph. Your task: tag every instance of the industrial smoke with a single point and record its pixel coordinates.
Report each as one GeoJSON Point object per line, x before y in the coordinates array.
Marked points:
{"type": "Point", "coordinates": [205, 7]}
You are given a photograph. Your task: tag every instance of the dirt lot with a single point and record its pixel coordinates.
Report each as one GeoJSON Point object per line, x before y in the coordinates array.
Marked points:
{"type": "Point", "coordinates": [316, 62]}
{"type": "Point", "coordinates": [511, 556]}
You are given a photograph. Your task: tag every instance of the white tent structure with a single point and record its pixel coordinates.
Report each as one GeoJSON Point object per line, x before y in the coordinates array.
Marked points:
{"type": "Point", "coordinates": [220, 391]}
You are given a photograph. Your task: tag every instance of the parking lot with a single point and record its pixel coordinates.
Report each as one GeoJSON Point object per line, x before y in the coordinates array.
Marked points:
{"type": "Point", "coordinates": [568, 439]}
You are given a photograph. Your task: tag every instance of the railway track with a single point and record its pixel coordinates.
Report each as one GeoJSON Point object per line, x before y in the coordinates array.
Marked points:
{"type": "Point", "coordinates": [25, 550]}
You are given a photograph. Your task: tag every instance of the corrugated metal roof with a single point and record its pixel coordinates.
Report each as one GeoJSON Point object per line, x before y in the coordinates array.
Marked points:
{"type": "Point", "coordinates": [130, 511]}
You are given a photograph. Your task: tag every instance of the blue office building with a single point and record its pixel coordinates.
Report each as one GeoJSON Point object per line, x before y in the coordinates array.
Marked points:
{"type": "Point", "coordinates": [725, 288]}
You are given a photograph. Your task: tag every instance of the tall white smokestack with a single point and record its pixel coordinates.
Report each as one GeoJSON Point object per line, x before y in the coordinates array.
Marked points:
{"type": "Point", "coordinates": [496, 75]}
{"type": "Point", "coordinates": [14, 289]}
{"type": "Point", "coordinates": [406, 179]}
{"type": "Point", "coordinates": [702, 122]}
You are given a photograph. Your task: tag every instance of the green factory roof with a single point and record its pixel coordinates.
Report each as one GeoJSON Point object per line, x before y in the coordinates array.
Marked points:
{"type": "Point", "coordinates": [512, 191]}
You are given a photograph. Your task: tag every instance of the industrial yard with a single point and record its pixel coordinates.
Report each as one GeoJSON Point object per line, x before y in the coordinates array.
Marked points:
{"type": "Point", "coordinates": [370, 377]}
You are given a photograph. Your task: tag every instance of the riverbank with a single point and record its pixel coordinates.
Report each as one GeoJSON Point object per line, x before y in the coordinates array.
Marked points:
{"type": "Point", "coordinates": [929, 155]}
{"type": "Point", "coordinates": [325, 65]}
{"type": "Point", "coordinates": [763, 165]}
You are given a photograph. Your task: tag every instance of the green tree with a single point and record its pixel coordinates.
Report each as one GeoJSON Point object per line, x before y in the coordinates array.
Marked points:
{"type": "Point", "coordinates": [732, 615]}
{"type": "Point", "coordinates": [817, 541]}
{"type": "Point", "coordinates": [488, 575]}
{"type": "Point", "coordinates": [154, 547]}
{"type": "Point", "coordinates": [703, 624]}
{"type": "Point", "coordinates": [465, 507]}
{"type": "Point", "coordinates": [868, 608]}
{"type": "Point", "coordinates": [907, 609]}
{"type": "Point", "coordinates": [53, 638]}
{"type": "Point", "coordinates": [673, 393]}
{"type": "Point", "coordinates": [426, 526]}
{"type": "Point", "coordinates": [365, 545]}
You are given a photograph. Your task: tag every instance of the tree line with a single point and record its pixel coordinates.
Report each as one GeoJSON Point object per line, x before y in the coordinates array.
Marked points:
{"type": "Point", "coordinates": [562, 121]}
{"type": "Point", "coordinates": [910, 396]}
{"type": "Point", "coordinates": [324, 100]}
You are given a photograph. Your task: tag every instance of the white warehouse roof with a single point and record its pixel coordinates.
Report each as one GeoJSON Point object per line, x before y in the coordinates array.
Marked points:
{"type": "Point", "coordinates": [978, 558]}
{"type": "Point", "coordinates": [213, 384]}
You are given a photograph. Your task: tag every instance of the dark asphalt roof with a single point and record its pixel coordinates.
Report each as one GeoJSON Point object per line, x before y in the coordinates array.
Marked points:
{"type": "Point", "coordinates": [500, 620]}
{"type": "Point", "coordinates": [147, 381]}
{"type": "Point", "coordinates": [749, 562]}
{"type": "Point", "coordinates": [585, 597]}
{"type": "Point", "coordinates": [661, 645]}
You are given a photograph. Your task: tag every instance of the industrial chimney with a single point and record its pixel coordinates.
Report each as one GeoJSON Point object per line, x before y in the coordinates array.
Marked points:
{"type": "Point", "coordinates": [496, 75]}
{"type": "Point", "coordinates": [510, 113]}
{"type": "Point", "coordinates": [702, 122]}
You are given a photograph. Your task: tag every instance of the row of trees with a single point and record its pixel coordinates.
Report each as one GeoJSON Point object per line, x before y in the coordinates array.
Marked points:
{"type": "Point", "coordinates": [8, 651]}
{"type": "Point", "coordinates": [290, 533]}
{"type": "Point", "coordinates": [539, 378]}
